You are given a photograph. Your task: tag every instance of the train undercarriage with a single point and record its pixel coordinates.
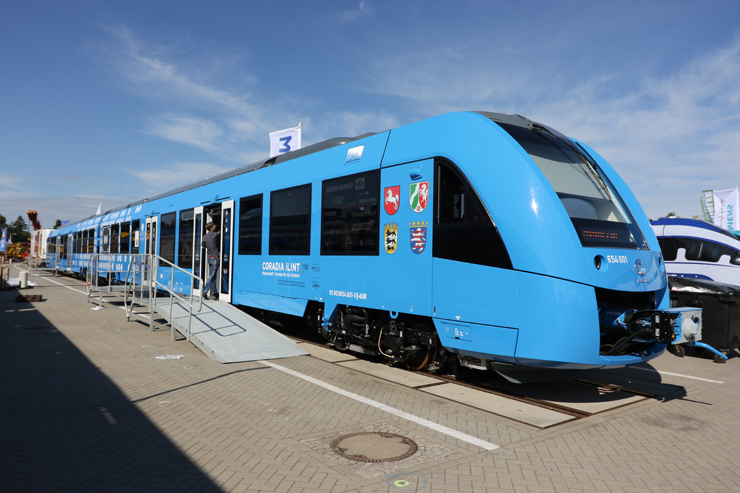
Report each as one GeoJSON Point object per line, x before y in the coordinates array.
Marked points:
{"type": "Point", "coordinates": [411, 341]}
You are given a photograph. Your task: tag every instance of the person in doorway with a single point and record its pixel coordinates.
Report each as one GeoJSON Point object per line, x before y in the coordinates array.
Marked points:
{"type": "Point", "coordinates": [211, 242]}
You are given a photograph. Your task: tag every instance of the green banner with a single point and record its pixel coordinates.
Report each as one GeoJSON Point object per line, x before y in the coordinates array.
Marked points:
{"type": "Point", "coordinates": [707, 205]}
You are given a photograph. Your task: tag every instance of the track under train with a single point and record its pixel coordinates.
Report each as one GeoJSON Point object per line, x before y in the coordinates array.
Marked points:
{"type": "Point", "coordinates": [574, 399]}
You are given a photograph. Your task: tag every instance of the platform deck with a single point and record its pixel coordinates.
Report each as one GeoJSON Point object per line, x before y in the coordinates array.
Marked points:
{"type": "Point", "coordinates": [227, 334]}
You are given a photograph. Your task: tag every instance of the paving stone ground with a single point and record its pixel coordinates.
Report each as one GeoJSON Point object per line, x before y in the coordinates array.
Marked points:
{"type": "Point", "coordinates": [85, 407]}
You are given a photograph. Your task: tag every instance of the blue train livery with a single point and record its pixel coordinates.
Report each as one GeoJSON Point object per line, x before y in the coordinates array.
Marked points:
{"type": "Point", "coordinates": [475, 239]}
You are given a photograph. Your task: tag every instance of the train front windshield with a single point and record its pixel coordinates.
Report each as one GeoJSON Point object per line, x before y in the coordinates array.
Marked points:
{"type": "Point", "coordinates": [598, 214]}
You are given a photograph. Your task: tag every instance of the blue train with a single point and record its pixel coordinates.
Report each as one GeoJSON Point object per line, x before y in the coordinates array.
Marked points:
{"type": "Point", "coordinates": [478, 239]}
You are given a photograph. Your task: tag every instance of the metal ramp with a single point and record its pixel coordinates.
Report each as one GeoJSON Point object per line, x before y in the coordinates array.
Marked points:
{"type": "Point", "coordinates": [227, 334]}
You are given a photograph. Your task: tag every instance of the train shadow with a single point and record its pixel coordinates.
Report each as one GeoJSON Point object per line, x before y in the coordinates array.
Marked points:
{"type": "Point", "coordinates": [590, 391]}
{"type": "Point", "coordinates": [66, 425]}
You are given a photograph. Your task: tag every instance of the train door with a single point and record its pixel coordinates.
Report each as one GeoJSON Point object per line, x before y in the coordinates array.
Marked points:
{"type": "Point", "coordinates": [469, 252]}
{"type": "Point", "coordinates": [151, 235]}
{"type": "Point", "coordinates": [60, 250]}
{"type": "Point", "coordinates": [70, 251]}
{"type": "Point", "coordinates": [150, 246]}
{"type": "Point", "coordinates": [197, 254]}
{"type": "Point", "coordinates": [227, 250]}
{"type": "Point", "coordinates": [406, 235]}
{"type": "Point", "coordinates": [105, 247]}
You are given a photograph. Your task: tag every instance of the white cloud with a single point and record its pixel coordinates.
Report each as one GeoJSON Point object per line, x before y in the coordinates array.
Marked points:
{"type": "Point", "coordinates": [154, 76]}
{"type": "Point", "coordinates": [668, 136]}
{"type": "Point", "coordinates": [669, 140]}
{"type": "Point", "coordinates": [191, 130]}
{"type": "Point", "coordinates": [174, 175]}
{"type": "Point", "coordinates": [352, 15]}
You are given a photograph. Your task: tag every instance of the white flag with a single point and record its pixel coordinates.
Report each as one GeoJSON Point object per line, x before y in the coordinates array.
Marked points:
{"type": "Point", "coordinates": [100, 211]}
{"type": "Point", "coordinates": [721, 207]}
{"type": "Point", "coordinates": [284, 141]}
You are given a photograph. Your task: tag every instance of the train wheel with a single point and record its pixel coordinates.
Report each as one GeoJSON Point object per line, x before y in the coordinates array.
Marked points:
{"type": "Point", "coordinates": [421, 361]}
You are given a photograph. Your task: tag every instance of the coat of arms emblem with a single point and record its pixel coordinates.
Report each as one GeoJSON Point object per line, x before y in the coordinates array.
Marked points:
{"type": "Point", "coordinates": [392, 199]}
{"type": "Point", "coordinates": [391, 237]}
{"type": "Point", "coordinates": [419, 196]}
{"type": "Point", "coordinates": [418, 238]}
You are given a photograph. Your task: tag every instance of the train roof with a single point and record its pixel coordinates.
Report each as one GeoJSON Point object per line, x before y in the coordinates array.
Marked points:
{"type": "Point", "coordinates": [696, 223]}
{"type": "Point", "coordinates": [318, 147]}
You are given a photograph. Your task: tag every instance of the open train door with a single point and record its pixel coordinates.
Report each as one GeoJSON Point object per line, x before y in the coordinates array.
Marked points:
{"type": "Point", "coordinates": [227, 250]}
{"type": "Point", "coordinates": [150, 246]}
{"type": "Point", "coordinates": [197, 254]}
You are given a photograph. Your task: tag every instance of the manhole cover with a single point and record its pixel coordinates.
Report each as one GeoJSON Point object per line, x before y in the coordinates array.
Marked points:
{"type": "Point", "coordinates": [374, 446]}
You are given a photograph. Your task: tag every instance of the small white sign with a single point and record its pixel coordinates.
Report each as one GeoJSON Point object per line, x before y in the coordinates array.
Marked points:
{"type": "Point", "coordinates": [354, 154]}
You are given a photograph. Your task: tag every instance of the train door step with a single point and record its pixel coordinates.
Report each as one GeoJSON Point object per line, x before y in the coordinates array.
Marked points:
{"type": "Point", "coordinates": [229, 335]}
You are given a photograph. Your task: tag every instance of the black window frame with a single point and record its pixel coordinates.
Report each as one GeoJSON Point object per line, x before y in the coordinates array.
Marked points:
{"type": "Point", "coordinates": [338, 230]}
{"type": "Point", "coordinates": [135, 226]}
{"type": "Point", "coordinates": [167, 237]}
{"type": "Point", "coordinates": [91, 240]}
{"type": "Point", "coordinates": [703, 250]}
{"type": "Point", "coordinates": [248, 227]}
{"type": "Point", "coordinates": [185, 237]}
{"type": "Point", "coordinates": [115, 231]}
{"type": "Point", "coordinates": [276, 248]}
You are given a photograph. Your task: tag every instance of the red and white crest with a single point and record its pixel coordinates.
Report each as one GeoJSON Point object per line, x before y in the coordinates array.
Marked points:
{"type": "Point", "coordinates": [392, 198]}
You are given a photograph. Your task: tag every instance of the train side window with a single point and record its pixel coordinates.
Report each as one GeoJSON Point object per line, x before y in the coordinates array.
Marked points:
{"type": "Point", "coordinates": [711, 252]}
{"type": "Point", "coordinates": [90, 241]}
{"type": "Point", "coordinates": [125, 237]}
{"type": "Point", "coordinates": [250, 225]}
{"type": "Point", "coordinates": [83, 242]}
{"type": "Point", "coordinates": [185, 241]}
{"type": "Point", "coordinates": [290, 221]}
{"type": "Point", "coordinates": [349, 214]}
{"type": "Point", "coordinates": [167, 238]}
{"type": "Point", "coordinates": [693, 249]}
{"type": "Point", "coordinates": [669, 247]}
{"type": "Point", "coordinates": [135, 225]}
{"type": "Point", "coordinates": [114, 234]}
{"type": "Point", "coordinates": [463, 230]}
{"type": "Point", "coordinates": [74, 243]}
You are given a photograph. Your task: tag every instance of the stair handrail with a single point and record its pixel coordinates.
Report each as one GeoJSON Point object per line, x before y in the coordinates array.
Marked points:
{"type": "Point", "coordinates": [155, 262]}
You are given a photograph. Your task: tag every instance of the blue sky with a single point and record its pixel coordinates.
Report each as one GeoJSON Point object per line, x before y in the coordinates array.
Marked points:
{"type": "Point", "coordinates": [111, 102]}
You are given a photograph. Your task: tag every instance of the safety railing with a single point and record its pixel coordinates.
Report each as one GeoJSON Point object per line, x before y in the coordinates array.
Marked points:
{"type": "Point", "coordinates": [141, 286]}
{"type": "Point", "coordinates": [36, 264]}
{"type": "Point", "coordinates": [104, 274]}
